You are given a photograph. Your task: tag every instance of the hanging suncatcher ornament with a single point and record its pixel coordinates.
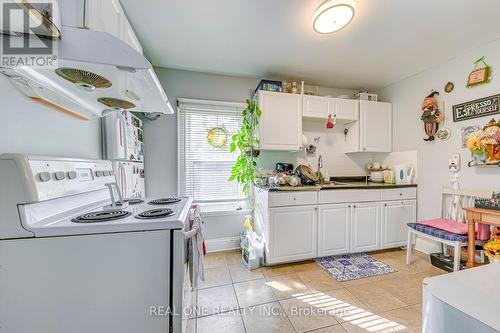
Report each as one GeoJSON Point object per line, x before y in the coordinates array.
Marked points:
{"type": "Point", "coordinates": [217, 137]}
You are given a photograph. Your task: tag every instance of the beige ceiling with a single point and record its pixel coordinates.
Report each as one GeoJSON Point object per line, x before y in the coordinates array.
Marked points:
{"type": "Point", "coordinates": [388, 40]}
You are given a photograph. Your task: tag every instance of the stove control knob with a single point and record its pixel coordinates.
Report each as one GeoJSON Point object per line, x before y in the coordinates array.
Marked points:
{"type": "Point", "coordinates": [98, 173]}
{"type": "Point", "coordinates": [44, 176]}
{"type": "Point", "coordinates": [71, 174]}
{"type": "Point", "coordinates": [106, 173]}
{"type": "Point", "coordinates": [59, 175]}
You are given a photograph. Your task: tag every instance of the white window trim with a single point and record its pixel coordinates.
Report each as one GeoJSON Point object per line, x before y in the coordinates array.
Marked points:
{"type": "Point", "coordinates": [198, 104]}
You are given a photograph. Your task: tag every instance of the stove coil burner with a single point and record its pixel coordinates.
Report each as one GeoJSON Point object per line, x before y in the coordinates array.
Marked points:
{"type": "Point", "coordinates": [104, 216]}
{"type": "Point", "coordinates": [164, 201]}
{"type": "Point", "coordinates": [134, 201]}
{"type": "Point", "coordinates": [155, 213]}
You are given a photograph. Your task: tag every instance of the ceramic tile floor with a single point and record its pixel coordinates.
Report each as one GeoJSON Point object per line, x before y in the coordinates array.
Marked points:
{"type": "Point", "coordinates": [301, 297]}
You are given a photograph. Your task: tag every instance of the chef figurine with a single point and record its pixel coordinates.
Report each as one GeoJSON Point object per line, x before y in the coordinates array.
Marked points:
{"type": "Point", "coordinates": [431, 117]}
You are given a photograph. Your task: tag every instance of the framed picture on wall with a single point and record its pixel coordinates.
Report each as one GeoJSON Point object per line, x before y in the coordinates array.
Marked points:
{"type": "Point", "coordinates": [464, 132]}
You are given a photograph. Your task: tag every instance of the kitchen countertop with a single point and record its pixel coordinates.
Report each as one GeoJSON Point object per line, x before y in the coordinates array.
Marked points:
{"type": "Point", "coordinates": [337, 186]}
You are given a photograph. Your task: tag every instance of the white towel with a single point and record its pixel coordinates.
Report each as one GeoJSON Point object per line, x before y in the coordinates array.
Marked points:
{"type": "Point", "coordinates": [194, 254]}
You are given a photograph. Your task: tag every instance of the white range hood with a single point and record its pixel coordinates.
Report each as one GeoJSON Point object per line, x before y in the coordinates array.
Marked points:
{"type": "Point", "coordinates": [96, 73]}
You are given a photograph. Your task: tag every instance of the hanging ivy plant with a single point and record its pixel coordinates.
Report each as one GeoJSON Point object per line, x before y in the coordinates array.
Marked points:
{"type": "Point", "coordinates": [246, 142]}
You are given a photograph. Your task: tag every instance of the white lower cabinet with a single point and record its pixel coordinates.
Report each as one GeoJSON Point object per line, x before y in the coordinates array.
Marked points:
{"type": "Point", "coordinates": [333, 229]}
{"type": "Point", "coordinates": [365, 227]}
{"type": "Point", "coordinates": [304, 225]}
{"type": "Point", "coordinates": [292, 233]}
{"type": "Point", "coordinates": [395, 216]}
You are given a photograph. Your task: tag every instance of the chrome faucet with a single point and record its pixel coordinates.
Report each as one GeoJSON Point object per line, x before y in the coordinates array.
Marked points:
{"type": "Point", "coordinates": [320, 165]}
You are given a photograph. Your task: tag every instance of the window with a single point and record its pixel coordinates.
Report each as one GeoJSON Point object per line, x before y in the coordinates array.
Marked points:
{"type": "Point", "coordinates": [204, 169]}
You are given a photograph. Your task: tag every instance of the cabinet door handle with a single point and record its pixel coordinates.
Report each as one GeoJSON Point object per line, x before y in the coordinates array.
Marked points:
{"type": "Point", "coordinates": [385, 205]}
{"type": "Point", "coordinates": [354, 206]}
{"type": "Point", "coordinates": [349, 206]}
{"type": "Point", "coordinates": [364, 148]}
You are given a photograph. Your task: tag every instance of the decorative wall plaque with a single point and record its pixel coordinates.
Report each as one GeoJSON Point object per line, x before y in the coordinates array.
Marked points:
{"type": "Point", "coordinates": [482, 107]}
{"type": "Point", "coordinates": [480, 74]}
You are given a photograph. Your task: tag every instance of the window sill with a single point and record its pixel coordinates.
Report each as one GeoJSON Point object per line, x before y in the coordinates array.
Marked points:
{"type": "Point", "coordinates": [224, 208]}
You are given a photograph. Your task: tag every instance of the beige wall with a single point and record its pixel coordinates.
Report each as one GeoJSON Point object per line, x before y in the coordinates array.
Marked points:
{"type": "Point", "coordinates": [407, 96]}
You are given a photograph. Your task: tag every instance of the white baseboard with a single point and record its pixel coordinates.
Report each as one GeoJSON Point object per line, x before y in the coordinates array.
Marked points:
{"type": "Point", "coordinates": [222, 244]}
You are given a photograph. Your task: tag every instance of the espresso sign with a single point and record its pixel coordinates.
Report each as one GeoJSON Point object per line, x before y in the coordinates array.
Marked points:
{"type": "Point", "coordinates": [478, 108]}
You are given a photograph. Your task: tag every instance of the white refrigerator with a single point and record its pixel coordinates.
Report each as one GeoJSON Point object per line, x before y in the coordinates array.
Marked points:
{"type": "Point", "coordinates": [123, 144]}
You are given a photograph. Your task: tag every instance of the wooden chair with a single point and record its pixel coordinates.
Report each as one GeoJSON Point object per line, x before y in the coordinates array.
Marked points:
{"type": "Point", "coordinates": [453, 202]}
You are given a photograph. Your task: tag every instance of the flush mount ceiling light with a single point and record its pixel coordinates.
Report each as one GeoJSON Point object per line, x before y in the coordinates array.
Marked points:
{"type": "Point", "coordinates": [333, 15]}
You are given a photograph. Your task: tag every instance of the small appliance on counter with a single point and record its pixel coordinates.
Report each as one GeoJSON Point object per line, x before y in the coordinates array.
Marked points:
{"type": "Point", "coordinates": [284, 167]}
{"type": "Point", "coordinates": [403, 173]}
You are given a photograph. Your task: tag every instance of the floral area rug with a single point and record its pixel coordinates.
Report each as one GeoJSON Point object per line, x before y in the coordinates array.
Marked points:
{"type": "Point", "coordinates": [353, 266]}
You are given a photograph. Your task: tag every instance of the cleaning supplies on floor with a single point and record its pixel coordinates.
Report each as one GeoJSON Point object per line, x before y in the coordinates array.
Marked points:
{"type": "Point", "coordinates": [252, 246]}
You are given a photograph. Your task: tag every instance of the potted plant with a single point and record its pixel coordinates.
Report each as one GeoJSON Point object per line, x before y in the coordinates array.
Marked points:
{"type": "Point", "coordinates": [245, 169]}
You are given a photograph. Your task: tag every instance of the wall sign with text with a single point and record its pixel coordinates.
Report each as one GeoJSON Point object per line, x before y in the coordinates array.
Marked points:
{"type": "Point", "coordinates": [478, 108]}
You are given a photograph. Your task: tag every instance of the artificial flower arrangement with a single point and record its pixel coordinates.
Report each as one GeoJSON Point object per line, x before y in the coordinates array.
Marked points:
{"type": "Point", "coordinates": [492, 248]}
{"type": "Point", "coordinates": [485, 144]}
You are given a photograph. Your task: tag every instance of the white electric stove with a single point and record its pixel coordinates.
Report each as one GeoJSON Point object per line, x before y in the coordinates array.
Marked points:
{"type": "Point", "coordinates": [74, 259]}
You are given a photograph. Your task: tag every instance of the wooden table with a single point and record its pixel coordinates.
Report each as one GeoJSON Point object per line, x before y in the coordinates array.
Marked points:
{"type": "Point", "coordinates": [478, 215]}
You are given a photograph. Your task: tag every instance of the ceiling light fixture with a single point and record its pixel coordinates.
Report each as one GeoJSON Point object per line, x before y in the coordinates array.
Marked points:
{"type": "Point", "coordinates": [333, 15]}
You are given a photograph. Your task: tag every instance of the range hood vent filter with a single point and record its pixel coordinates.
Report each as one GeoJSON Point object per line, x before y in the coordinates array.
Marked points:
{"type": "Point", "coordinates": [116, 103]}
{"type": "Point", "coordinates": [83, 78]}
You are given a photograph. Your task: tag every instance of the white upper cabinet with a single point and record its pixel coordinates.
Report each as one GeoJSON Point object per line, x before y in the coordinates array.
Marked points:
{"type": "Point", "coordinates": [109, 16]}
{"type": "Point", "coordinates": [373, 132]}
{"type": "Point", "coordinates": [322, 107]}
{"type": "Point", "coordinates": [280, 126]}
{"type": "Point", "coordinates": [345, 109]}
{"type": "Point", "coordinates": [316, 107]}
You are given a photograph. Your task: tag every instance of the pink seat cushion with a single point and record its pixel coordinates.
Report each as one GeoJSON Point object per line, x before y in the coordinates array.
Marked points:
{"type": "Point", "coordinates": [450, 226]}
{"type": "Point", "coordinates": [454, 227]}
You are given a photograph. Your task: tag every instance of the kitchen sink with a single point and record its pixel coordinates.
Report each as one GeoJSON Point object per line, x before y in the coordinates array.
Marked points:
{"type": "Point", "coordinates": [333, 184]}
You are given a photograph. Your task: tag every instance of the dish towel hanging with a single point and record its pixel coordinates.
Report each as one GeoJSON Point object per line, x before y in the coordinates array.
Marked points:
{"type": "Point", "coordinates": [196, 247]}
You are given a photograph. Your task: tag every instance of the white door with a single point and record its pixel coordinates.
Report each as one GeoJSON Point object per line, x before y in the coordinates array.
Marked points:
{"type": "Point", "coordinates": [365, 227]}
{"type": "Point", "coordinates": [293, 233]}
{"type": "Point", "coordinates": [376, 126]}
{"type": "Point", "coordinates": [395, 216]}
{"type": "Point", "coordinates": [280, 126]}
{"type": "Point", "coordinates": [345, 109]}
{"type": "Point", "coordinates": [333, 229]}
{"type": "Point", "coordinates": [316, 107]}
